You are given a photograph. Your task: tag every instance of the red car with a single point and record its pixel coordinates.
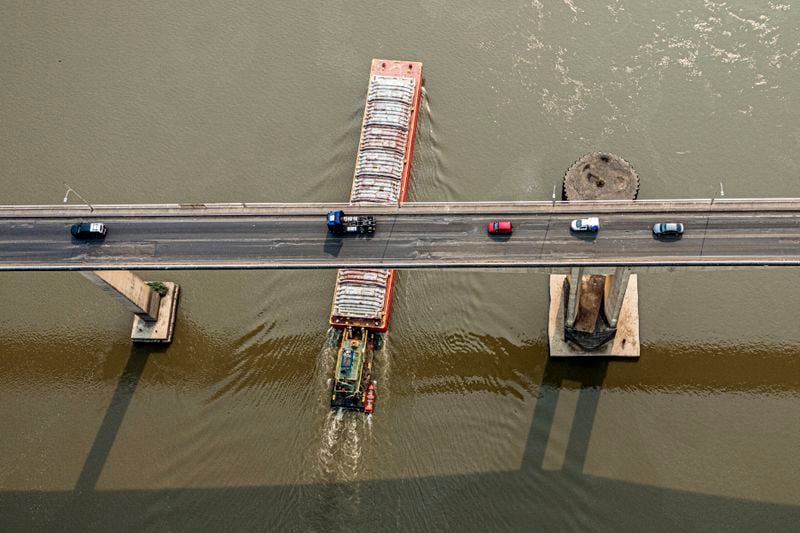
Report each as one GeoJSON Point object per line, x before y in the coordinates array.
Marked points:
{"type": "Point", "coordinates": [501, 227]}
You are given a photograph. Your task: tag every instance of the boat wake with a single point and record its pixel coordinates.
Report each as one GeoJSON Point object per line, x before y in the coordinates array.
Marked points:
{"type": "Point", "coordinates": [339, 462]}
{"type": "Point", "coordinates": [340, 451]}
{"type": "Point", "coordinates": [425, 165]}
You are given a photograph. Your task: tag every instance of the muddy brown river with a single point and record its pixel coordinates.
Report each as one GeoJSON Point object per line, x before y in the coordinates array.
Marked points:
{"type": "Point", "coordinates": [475, 428]}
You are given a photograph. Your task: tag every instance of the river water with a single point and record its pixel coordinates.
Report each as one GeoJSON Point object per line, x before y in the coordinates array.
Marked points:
{"type": "Point", "coordinates": [475, 428]}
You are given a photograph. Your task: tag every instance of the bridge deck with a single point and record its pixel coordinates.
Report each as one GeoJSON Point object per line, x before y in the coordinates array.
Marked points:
{"type": "Point", "coordinates": [403, 241]}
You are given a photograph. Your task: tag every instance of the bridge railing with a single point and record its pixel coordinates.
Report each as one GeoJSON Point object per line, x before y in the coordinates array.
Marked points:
{"type": "Point", "coordinates": [411, 208]}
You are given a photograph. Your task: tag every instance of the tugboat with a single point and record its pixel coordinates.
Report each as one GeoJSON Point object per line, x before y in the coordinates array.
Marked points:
{"type": "Point", "coordinates": [369, 399]}
{"type": "Point", "coordinates": [352, 377]}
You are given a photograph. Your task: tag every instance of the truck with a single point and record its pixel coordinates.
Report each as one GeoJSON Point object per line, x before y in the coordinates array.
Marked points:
{"type": "Point", "coordinates": [340, 223]}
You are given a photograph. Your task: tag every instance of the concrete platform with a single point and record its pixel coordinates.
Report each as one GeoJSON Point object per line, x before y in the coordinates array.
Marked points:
{"type": "Point", "coordinates": [159, 331]}
{"type": "Point", "coordinates": [626, 341]}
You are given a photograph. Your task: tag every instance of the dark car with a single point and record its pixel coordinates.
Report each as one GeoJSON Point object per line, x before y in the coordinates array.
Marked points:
{"type": "Point", "coordinates": [501, 227]}
{"type": "Point", "coordinates": [668, 229]}
{"type": "Point", "coordinates": [88, 230]}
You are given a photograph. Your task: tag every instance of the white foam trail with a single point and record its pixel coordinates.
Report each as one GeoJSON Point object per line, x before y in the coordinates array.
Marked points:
{"type": "Point", "coordinates": [328, 446]}
{"type": "Point", "coordinates": [340, 451]}
{"type": "Point", "coordinates": [352, 449]}
{"type": "Point", "coordinates": [382, 372]}
{"type": "Point", "coordinates": [427, 106]}
{"type": "Point", "coordinates": [333, 337]}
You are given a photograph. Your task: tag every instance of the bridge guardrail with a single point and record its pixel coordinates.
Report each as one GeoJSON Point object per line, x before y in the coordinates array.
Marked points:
{"type": "Point", "coordinates": [410, 208]}
{"type": "Point", "coordinates": [655, 264]}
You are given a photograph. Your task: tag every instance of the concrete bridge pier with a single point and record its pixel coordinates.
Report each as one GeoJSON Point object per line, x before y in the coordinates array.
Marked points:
{"type": "Point", "coordinates": [572, 283]}
{"type": "Point", "coordinates": [616, 286]}
{"type": "Point", "coordinates": [594, 313]}
{"type": "Point", "coordinates": [154, 314]}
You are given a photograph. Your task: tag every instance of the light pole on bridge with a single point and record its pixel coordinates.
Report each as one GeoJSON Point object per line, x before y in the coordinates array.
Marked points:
{"type": "Point", "coordinates": [69, 190]}
{"type": "Point", "coordinates": [721, 193]}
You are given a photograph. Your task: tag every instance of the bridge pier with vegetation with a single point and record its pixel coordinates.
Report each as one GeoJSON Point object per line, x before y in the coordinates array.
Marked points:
{"type": "Point", "coordinates": [153, 303]}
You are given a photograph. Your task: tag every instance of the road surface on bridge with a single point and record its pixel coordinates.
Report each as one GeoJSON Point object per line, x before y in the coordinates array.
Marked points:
{"type": "Point", "coordinates": [402, 241]}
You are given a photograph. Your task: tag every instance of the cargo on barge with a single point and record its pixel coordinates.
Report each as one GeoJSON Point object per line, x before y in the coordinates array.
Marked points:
{"type": "Point", "coordinates": [362, 299]}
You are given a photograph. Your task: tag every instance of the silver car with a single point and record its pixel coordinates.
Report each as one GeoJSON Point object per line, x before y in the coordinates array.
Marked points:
{"type": "Point", "coordinates": [665, 229]}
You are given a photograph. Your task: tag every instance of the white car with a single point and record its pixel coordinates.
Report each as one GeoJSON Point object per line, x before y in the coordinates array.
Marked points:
{"type": "Point", "coordinates": [585, 224]}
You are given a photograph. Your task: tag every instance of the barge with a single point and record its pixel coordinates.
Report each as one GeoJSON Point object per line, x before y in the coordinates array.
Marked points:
{"type": "Point", "coordinates": [362, 300]}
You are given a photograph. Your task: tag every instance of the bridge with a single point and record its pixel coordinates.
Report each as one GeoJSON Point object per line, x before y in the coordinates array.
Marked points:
{"type": "Point", "coordinates": [593, 288]}
{"type": "Point", "coordinates": [719, 233]}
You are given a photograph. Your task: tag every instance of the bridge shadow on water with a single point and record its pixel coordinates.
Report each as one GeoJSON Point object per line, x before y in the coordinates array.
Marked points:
{"type": "Point", "coordinates": [590, 375]}
{"type": "Point", "coordinates": [528, 498]}
{"type": "Point", "coordinates": [115, 414]}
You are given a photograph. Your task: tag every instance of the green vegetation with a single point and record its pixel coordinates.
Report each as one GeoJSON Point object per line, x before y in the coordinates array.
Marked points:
{"type": "Point", "coordinates": [159, 287]}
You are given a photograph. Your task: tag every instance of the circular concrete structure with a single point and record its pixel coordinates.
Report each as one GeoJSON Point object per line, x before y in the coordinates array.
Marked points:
{"type": "Point", "coordinates": [601, 176]}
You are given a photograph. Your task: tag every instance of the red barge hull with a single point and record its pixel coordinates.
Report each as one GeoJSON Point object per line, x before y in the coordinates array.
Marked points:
{"type": "Point", "coordinates": [381, 177]}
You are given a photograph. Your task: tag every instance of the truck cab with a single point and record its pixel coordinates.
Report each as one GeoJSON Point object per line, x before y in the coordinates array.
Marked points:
{"type": "Point", "coordinates": [335, 220]}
